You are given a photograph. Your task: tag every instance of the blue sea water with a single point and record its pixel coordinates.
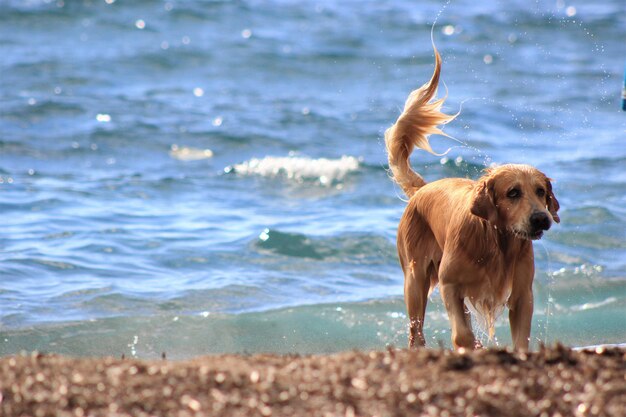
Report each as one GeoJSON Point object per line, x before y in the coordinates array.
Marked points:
{"type": "Point", "coordinates": [200, 176]}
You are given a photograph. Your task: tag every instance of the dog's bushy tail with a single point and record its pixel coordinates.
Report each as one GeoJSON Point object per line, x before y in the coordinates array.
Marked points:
{"type": "Point", "coordinates": [419, 119]}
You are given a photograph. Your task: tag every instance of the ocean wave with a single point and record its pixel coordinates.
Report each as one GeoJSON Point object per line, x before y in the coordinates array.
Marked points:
{"type": "Point", "coordinates": [46, 108]}
{"type": "Point", "coordinates": [589, 239]}
{"type": "Point", "coordinates": [594, 305]}
{"type": "Point", "coordinates": [591, 215]}
{"type": "Point", "coordinates": [290, 244]}
{"type": "Point", "coordinates": [324, 171]}
{"type": "Point", "coordinates": [305, 329]}
{"type": "Point", "coordinates": [460, 167]}
{"type": "Point", "coordinates": [347, 248]}
{"type": "Point", "coordinates": [31, 204]}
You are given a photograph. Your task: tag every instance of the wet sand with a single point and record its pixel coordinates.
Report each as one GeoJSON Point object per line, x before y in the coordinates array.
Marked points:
{"type": "Point", "coordinates": [551, 382]}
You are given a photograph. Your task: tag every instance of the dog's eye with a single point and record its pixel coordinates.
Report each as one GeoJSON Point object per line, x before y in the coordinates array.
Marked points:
{"type": "Point", "coordinates": [541, 192]}
{"type": "Point", "coordinates": [514, 193]}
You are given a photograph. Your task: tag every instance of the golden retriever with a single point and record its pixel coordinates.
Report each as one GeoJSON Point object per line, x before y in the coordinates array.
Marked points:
{"type": "Point", "coordinates": [473, 238]}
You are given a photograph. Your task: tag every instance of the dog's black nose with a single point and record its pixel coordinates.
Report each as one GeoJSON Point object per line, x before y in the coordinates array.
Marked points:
{"type": "Point", "coordinates": [540, 221]}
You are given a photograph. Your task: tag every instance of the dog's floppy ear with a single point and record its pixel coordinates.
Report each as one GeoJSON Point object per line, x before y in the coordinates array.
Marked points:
{"type": "Point", "coordinates": [552, 203]}
{"type": "Point", "coordinates": [484, 205]}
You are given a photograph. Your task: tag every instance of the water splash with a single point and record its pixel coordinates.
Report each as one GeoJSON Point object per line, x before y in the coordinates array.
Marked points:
{"type": "Point", "coordinates": [133, 346]}
{"type": "Point", "coordinates": [550, 300]}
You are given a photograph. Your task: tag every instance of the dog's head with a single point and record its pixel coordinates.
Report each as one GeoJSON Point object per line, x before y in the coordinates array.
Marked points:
{"type": "Point", "coordinates": [517, 198]}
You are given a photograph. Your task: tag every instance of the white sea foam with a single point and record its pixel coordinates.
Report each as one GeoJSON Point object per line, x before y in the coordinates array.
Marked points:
{"type": "Point", "coordinates": [591, 306]}
{"type": "Point", "coordinates": [600, 348]}
{"type": "Point", "coordinates": [325, 171]}
{"type": "Point", "coordinates": [184, 153]}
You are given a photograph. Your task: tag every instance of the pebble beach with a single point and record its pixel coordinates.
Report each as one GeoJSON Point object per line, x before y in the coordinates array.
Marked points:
{"type": "Point", "coordinates": [553, 381]}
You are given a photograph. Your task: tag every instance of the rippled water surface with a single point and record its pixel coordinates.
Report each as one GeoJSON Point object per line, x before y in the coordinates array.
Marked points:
{"type": "Point", "coordinates": [202, 176]}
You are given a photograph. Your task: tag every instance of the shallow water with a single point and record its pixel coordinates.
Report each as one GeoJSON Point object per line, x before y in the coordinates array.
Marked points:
{"type": "Point", "coordinates": [209, 176]}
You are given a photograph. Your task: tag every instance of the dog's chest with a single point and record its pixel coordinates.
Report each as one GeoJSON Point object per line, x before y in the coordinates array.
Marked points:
{"type": "Point", "coordinates": [492, 279]}
{"type": "Point", "coordinates": [487, 301]}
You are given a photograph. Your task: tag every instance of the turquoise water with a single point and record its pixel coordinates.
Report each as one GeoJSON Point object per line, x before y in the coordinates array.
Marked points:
{"type": "Point", "coordinates": [195, 177]}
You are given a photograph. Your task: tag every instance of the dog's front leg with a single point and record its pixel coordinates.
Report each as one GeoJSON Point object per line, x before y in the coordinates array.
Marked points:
{"type": "Point", "coordinates": [521, 301]}
{"type": "Point", "coordinates": [462, 335]}
{"type": "Point", "coordinates": [520, 318]}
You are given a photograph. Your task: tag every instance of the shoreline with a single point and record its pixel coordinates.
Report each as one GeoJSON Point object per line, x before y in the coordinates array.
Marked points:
{"type": "Point", "coordinates": [491, 382]}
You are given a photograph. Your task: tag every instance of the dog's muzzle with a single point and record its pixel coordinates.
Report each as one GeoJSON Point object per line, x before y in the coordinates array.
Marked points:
{"type": "Point", "coordinates": [539, 222]}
